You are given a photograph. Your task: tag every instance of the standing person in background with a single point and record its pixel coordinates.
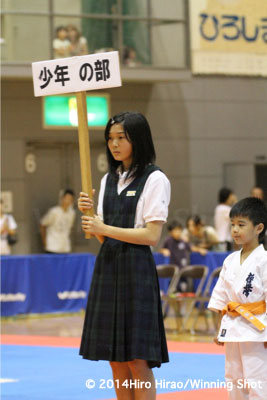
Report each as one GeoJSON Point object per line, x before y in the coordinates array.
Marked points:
{"type": "Point", "coordinates": [123, 322]}
{"type": "Point", "coordinates": [8, 226]}
{"type": "Point", "coordinates": [56, 225]}
{"type": "Point", "coordinates": [78, 43]}
{"type": "Point", "coordinates": [258, 192]}
{"type": "Point", "coordinates": [226, 199]}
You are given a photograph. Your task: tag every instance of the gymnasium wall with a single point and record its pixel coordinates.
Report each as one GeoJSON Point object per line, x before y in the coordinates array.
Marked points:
{"type": "Point", "coordinates": [199, 127]}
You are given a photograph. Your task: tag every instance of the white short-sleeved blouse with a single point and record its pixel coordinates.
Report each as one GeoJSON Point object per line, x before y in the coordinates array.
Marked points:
{"type": "Point", "coordinates": [153, 202]}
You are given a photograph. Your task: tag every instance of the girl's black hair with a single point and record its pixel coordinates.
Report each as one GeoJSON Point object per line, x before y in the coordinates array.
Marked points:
{"type": "Point", "coordinates": [254, 209]}
{"type": "Point", "coordinates": [196, 219]}
{"type": "Point", "coordinates": [224, 193]}
{"type": "Point", "coordinates": [138, 133]}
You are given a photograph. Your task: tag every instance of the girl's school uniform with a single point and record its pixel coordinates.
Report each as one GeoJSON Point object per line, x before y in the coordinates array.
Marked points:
{"type": "Point", "coordinates": [123, 318]}
{"type": "Point", "coordinates": [244, 325]}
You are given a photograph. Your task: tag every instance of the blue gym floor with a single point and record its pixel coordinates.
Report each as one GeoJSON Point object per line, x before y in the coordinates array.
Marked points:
{"type": "Point", "coordinates": [59, 373]}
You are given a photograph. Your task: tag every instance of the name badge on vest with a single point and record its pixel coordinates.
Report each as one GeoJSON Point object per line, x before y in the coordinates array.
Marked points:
{"type": "Point", "coordinates": [131, 193]}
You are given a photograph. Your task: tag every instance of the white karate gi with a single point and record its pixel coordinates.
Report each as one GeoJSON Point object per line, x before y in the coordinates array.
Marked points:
{"type": "Point", "coordinates": [246, 357]}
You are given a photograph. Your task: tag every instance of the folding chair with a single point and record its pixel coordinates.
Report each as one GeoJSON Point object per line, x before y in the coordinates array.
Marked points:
{"type": "Point", "coordinates": [198, 274]}
{"type": "Point", "coordinates": [170, 271]}
{"type": "Point", "coordinates": [202, 310]}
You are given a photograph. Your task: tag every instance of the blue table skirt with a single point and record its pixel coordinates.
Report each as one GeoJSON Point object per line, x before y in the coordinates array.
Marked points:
{"type": "Point", "coordinates": [46, 283]}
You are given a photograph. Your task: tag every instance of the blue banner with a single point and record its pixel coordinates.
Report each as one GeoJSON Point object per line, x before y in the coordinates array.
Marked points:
{"type": "Point", "coordinates": [49, 283]}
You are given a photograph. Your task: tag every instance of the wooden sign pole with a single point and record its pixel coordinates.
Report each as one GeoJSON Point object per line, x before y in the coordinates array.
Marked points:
{"type": "Point", "coordinates": [84, 146]}
{"type": "Point", "coordinates": [77, 75]}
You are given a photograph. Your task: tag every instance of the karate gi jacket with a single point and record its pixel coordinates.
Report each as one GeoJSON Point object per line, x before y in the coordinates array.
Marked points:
{"type": "Point", "coordinates": [246, 283]}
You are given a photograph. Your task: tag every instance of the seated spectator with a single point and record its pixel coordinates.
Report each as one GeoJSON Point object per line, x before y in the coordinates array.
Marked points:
{"type": "Point", "coordinates": [179, 252]}
{"type": "Point", "coordinates": [129, 57]}
{"type": "Point", "coordinates": [61, 44]}
{"type": "Point", "coordinates": [8, 227]}
{"type": "Point", "coordinates": [226, 199]}
{"type": "Point", "coordinates": [175, 247]}
{"type": "Point", "coordinates": [200, 237]}
{"type": "Point", "coordinates": [78, 43]}
{"type": "Point", "coordinates": [258, 192]}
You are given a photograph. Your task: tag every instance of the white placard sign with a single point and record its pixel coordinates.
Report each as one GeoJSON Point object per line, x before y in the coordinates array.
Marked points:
{"type": "Point", "coordinates": [76, 74]}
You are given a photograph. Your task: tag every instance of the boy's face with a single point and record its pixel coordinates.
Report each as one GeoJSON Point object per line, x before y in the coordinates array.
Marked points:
{"type": "Point", "coordinates": [243, 231]}
{"type": "Point", "coordinates": [67, 200]}
{"type": "Point", "coordinates": [176, 233]}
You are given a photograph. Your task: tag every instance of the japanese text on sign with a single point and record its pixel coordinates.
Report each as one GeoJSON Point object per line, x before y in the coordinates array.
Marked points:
{"type": "Point", "coordinates": [76, 74]}
{"type": "Point", "coordinates": [228, 37]}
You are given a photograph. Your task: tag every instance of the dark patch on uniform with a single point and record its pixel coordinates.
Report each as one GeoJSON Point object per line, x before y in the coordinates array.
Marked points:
{"type": "Point", "coordinates": [223, 332]}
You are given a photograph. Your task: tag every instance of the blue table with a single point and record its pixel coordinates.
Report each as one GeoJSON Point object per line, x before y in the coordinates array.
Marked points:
{"type": "Point", "coordinates": [46, 283]}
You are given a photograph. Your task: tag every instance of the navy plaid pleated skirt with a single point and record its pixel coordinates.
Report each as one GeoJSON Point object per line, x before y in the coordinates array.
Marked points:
{"type": "Point", "coordinates": [123, 318]}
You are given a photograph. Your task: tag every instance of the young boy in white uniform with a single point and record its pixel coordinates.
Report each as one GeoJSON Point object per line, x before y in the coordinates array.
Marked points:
{"type": "Point", "coordinates": [240, 295]}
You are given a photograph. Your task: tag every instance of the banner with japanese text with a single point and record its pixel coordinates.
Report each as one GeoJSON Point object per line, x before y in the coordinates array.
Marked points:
{"type": "Point", "coordinates": [229, 37]}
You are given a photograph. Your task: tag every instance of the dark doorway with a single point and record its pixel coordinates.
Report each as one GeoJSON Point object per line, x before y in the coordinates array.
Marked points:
{"type": "Point", "coordinates": [261, 177]}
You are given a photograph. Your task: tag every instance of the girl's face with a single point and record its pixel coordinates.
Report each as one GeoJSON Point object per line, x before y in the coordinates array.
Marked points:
{"type": "Point", "coordinates": [73, 34]}
{"type": "Point", "coordinates": [194, 229]}
{"type": "Point", "coordinates": [119, 146]}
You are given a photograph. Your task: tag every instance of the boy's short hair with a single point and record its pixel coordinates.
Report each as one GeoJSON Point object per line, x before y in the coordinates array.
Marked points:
{"type": "Point", "coordinates": [252, 208]}
{"type": "Point", "coordinates": [68, 191]}
{"type": "Point", "coordinates": [174, 224]}
{"type": "Point", "coordinates": [223, 195]}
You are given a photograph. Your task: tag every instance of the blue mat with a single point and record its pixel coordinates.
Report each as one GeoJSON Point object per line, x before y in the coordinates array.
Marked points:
{"type": "Point", "coordinates": [54, 373]}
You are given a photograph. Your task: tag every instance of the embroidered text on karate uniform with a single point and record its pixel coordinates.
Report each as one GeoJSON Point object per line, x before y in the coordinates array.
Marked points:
{"type": "Point", "coordinates": [248, 288]}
